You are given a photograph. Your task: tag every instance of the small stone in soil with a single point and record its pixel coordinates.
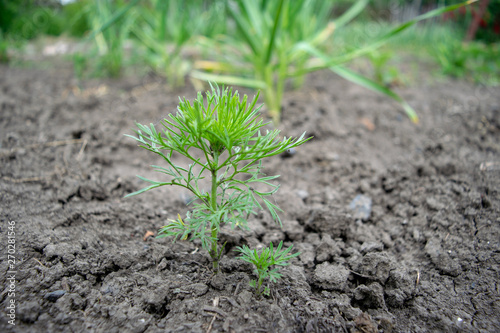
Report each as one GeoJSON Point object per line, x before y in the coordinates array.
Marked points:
{"type": "Point", "coordinates": [434, 204]}
{"type": "Point", "coordinates": [362, 207]}
{"type": "Point", "coordinates": [289, 153]}
{"type": "Point", "coordinates": [303, 194]}
{"type": "Point", "coordinates": [54, 295]}
{"type": "Point", "coordinates": [368, 247]}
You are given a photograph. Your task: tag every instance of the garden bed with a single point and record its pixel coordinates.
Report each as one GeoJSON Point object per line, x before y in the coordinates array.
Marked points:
{"type": "Point", "coordinates": [424, 257]}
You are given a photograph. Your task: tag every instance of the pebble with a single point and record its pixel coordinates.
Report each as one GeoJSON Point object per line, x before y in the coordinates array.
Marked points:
{"type": "Point", "coordinates": [54, 295]}
{"type": "Point", "coordinates": [362, 207]}
{"type": "Point", "coordinates": [434, 204]}
{"type": "Point", "coordinates": [367, 247]}
{"type": "Point", "coordinates": [303, 194]}
{"type": "Point", "coordinates": [289, 153]}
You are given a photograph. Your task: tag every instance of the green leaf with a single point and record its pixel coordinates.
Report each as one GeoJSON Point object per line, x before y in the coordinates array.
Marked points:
{"type": "Point", "coordinates": [272, 38]}
{"type": "Point", "coordinates": [112, 19]}
{"type": "Point", "coordinates": [155, 185]}
{"type": "Point", "coordinates": [335, 61]}
{"type": "Point", "coordinates": [244, 26]}
{"type": "Point", "coordinates": [372, 85]}
{"type": "Point", "coordinates": [351, 13]}
{"type": "Point", "coordinates": [230, 80]}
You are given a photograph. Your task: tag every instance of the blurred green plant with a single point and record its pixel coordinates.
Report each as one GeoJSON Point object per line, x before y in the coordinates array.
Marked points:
{"type": "Point", "coordinates": [80, 63]}
{"type": "Point", "coordinates": [451, 57]}
{"type": "Point", "coordinates": [441, 44]}
{"type": "Point", "coordinates": [472, 60]}
{"type": "Point", "coordinates": [263, 261]}
{"type": "Point", "coordinates": [4, 48]}
{"type": "Point", "coordinates": [284, 39]}
{"type": "Point", "coordinates": [77, 18]}
{"type": "Point", "coordinates": [25, 20]}
{"type": "Point", "coordinates": [110, 38]}
{"type": "Point", "coordinates": [261, 54]}
{"type": "Point", "coordinates": [384, 73]}
{"type": "Point", "coordinates": [166, 28]}
{"type": "Point", "coordinates": [227, 133]}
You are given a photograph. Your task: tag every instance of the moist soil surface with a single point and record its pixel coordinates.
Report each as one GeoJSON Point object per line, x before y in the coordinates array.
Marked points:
{"type": "Point", "coordinates": [398, 224]}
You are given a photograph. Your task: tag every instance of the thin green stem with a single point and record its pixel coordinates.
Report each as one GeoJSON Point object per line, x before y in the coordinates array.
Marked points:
{"type": "Point", "coordinates": [214, 252]}
{"type": "Point", "coordinates": [270, 95]}
{"type": "Point", "coordinates": [259, 284]}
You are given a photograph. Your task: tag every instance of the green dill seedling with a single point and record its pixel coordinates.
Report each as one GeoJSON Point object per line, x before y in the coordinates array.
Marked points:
{"type": "Point", "coordinates": [263, 260]}
{"type": "Point", "coordinates": [222, 139]}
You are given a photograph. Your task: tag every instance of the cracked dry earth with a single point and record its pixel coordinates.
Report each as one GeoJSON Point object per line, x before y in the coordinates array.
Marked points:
{"type": "Point", "coordinates": [419, 253]}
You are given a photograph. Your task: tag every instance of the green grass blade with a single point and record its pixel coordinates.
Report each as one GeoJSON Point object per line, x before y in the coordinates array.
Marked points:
{"type": "Point", "coordinates": [372, 85]}
{"type": "Point", "coordinates": [252, 13]}
{"type": "Point", "coordinates": [229, 80]}
{"type": "Point", "coordinates": [351, 13]}
{"type": "Point", "coordinates": [112, 19]}
{"type": "Point", "coordinates": [329, 62]}
{"type": "Point", "coordinates": [270, 47]}
{"type": "Point", "coordinates": [397, 30]}
{"type": "Point", "coordinates": [245, 29]}
{"type": "Point", "coordinates": [155, 185]}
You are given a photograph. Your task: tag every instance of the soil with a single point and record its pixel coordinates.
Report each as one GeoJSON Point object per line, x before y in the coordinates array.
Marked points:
{"type": "Point", "coordinates": [398, 224]}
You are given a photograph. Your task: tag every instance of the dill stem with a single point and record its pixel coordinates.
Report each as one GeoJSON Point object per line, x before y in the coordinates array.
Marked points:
{"type": "Point", "coordinates": [214, 252]}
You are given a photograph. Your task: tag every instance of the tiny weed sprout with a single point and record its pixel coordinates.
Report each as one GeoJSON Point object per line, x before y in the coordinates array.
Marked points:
{"type": "Point", "coordinates": [223, 138]}
{"type": "Point", "coordinates": [263, 261]}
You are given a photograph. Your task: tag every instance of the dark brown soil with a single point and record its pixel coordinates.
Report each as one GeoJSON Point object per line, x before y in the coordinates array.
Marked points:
{"type": "Point", "coordinates": [426, 258]}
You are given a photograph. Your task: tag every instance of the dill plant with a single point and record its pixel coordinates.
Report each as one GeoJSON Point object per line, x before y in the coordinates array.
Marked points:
{"type": "Point", "coordinates": [223, 139]}
{"type": "Point", "coordinates": [263, 261]}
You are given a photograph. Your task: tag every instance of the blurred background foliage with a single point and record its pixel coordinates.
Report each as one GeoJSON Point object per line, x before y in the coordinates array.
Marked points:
{"type": "Point", "coordinates": [197, 38]}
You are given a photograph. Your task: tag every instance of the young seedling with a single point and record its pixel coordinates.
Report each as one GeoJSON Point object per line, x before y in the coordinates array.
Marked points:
{"type": "Point", "coordinates": [221, 137]}
{"type": "Point", "coordinates": [263, 262]}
